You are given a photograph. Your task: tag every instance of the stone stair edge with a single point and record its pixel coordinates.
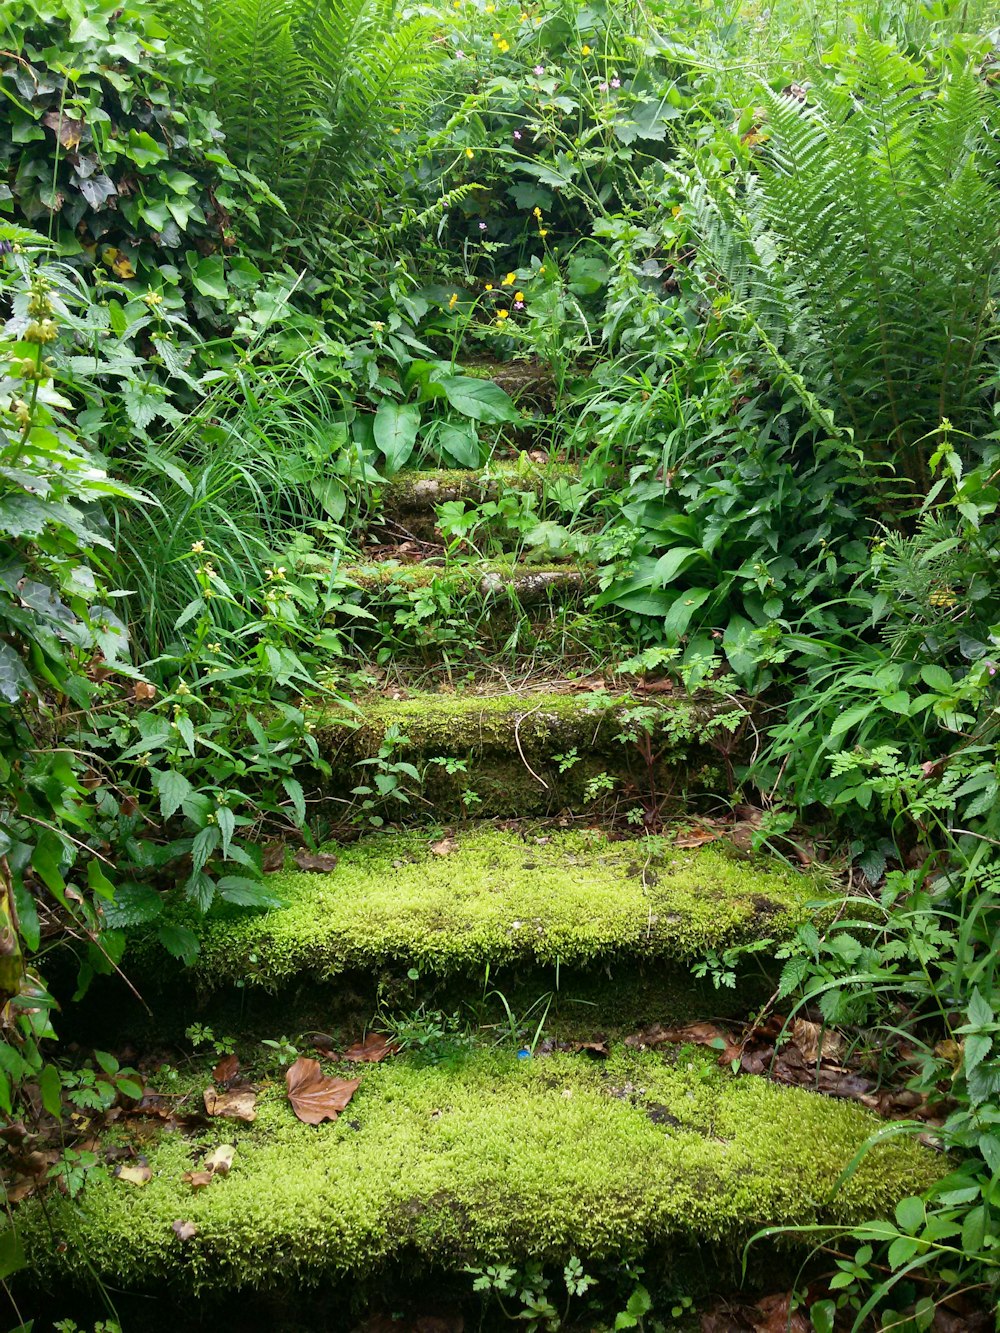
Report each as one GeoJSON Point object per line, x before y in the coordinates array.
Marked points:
{"type": "Point", "coordinates": [496, 1159]}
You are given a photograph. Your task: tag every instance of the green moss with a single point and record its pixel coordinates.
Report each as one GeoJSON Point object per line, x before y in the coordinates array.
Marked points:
{"type": "Point", "coordinates": [377, 575]}
{"type": "Point", "coordinates": [415, 489]}
{"type": "Point", "coordinates": [495, 1160]}
{"type": "Point", "coordinates": [500, 897]}
{"type": "Point", "coordinates": [517, 749]}
{"type": "Point", "coordinates": [462, 724]}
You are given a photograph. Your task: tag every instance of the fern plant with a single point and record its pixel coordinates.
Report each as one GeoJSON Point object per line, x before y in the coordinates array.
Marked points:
{"type": "Point", "coordinates": [862, 239]}
{"type": "Point", "coordinates": [309, 96]}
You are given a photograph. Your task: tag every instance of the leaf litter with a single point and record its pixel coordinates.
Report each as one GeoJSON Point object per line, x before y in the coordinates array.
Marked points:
{"type": "Point", "coordinates": [315, 1096]}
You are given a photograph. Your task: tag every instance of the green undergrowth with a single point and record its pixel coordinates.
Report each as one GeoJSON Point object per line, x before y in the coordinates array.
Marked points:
{"type": "Point", "coordinates": [491, 1158]}
{"type": "Point", "coordinates": [497, 897]}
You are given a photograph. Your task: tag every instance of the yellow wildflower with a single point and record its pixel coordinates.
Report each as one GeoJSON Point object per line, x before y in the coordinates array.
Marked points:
{"type": "Point", "coordinates": [489, 286]}
{"type": "Point", "coordinates": [519, 296]}
{"type": "Point", "coordinates": [454, 301]}
{"type": "Point", "coordinates": [491, 9]}
{"type": "Point", "coordinates": [509, 280]}
{"type": "Point", "coordinates": [503, 46]}
{"type": "Point", "coordinates": [585, 50]}
{"type": "Point", "coordinates": [543, 232]}
{"type": "Point", "coordinates": [536, 212]}
{"type": "Point", "coordinates": [469, 154]}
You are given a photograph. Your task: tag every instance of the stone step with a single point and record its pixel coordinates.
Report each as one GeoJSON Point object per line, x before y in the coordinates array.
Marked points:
{"type": "Point", "coordinates": [482, 1158]}
{"type": "Point", "coordinates": [410, 501]}
{"type": "Point", "coordinates": [523, 754]}
{"type": "Point", "coordinates": [500, 612]}
{"type": "Point", "coordinates": [497, 583]}
{"type": "Point", "coordinates": [451, 905]}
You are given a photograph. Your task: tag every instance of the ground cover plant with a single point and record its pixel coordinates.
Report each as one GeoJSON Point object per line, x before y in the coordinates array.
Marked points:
{"type": "Point", "coordinates": [573, 415]}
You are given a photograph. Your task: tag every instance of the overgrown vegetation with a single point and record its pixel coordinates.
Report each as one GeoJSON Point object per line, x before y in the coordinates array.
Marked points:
{"type": "Point", "coordinates": [355, 349]}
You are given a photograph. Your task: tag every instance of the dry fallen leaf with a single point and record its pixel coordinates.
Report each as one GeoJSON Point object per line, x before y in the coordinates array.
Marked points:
{"type": "Point", "coordinates": [317, 863]}
{"type": "Point", "coordinates": [695, 1034]}
{"type": "Point", "coordinates": [227, 1069]}
{"type": "Point", "coordinates": [237, 1104]}
{"type": "Point", "coordinates": [273, 858]}
{"type": "Point", "coordinates": [444, 847]}
{"type": "Point", "coordinates": [815, 1043]}
{"type": "Point", "coordinates": [140, 1174]}
{"type": "Point", "coordinates": [220, 1159]}
{"type": "Point", "coordinates": [184, 1230]}
{"type": "Point", "coordinates": [371, 1050]}
{"type": "Point", "coordinates": [314, 1096]}
{"type": "Point", "coordinates": [143, 690]}
{"type": "Point", "coordinates": [197, 1179]}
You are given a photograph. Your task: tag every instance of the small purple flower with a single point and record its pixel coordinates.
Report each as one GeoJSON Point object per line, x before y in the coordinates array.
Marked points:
{"type": "Point", "coordinates": [517, 134]}
{"type": "Point", "coordinates": [992, 669]}
{"type": "Point", "coordinates": [519, 305]}
{"type": "Point", "coordinates": [616, 83]}
{"type": "Point", "coordinates": [602, 87]}
{"type": "Point", "coordinates": [539, 71]}
{"type": "Point", "coordinates": [459, 55]}
{"type": "Point", "coordinates": [482, 226]}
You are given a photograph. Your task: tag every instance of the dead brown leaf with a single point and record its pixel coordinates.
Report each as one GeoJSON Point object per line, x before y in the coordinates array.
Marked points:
{"type": "Point", "coordinates": [373, 1049]}
{"type": "Point", "coordinates": [444, 847]}
{"type": "Point", "coordinates": [197, 1179]}
{"type": "Point", "coordinates": [227, 1069]}
{"type": "Point", "coordinates": [184, 1230]}
{"type": "Point", "coordinates": [316, 863]}
{"type": "Point", "coordinates": [313, 1095]}
{"type": "Point", "coordinates": [695, 1034]}
{"type": "Point", "coordinates": [774, 1315]}
{"type": "Point", "coordinates": [273, 858]}
{"type": "Point", "coordinates": [139, 1174]}
{"type": "Point", "coordinates": [143, 690]}
{"type": "Point", "coordinates": [815, 1043]}
{"type": "Point", "coordinates": [67, 130]}
{"type": "Point", "coordinates": [696, 837]}
{"type": "Point", "coordinates": [236, 1104]}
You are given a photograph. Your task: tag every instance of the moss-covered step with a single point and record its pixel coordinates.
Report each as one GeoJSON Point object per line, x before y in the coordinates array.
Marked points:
{"type": "Point", "coordinates": [523, 754]}
{"type": "Point", "coordinates": [514, 583]}
{"type": "Point", "coordinates": [410, 500]}
{"type": "Point", "coordinates": [491, 896]}
{"type": "Point", "coordinates": [485, 1158]}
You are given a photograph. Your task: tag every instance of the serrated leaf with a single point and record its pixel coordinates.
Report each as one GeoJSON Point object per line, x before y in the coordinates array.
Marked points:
{"type": "Point", "coordinates": [172, 788]}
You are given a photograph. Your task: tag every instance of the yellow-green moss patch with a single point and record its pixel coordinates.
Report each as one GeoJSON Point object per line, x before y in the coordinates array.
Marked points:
{"type": "Point", "coordinates": [498, 1159]}
{"type": "Point", "coordinates": [500, 897]}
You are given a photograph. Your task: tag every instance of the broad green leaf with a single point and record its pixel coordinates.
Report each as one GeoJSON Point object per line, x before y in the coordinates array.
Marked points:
{"type": "Point", "coordinates": [482, 400]}
{"type": "Point", "coordinates": [50, 1086]}
{"type": "Point", "coordinates": [460, 444]}
{"type": "Point", "coordinates": [12, 1258]}
{"type": "Point", "coordinates": [680, 615]}
{"type": "Point", "coordinates": [396, 426]}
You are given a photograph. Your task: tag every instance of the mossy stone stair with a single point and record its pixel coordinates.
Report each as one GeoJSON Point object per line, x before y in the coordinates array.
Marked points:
{"type": "Point", "coordinates": [494, 1159]}
{"type": "Point", "coordinates": [495, 1153]}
